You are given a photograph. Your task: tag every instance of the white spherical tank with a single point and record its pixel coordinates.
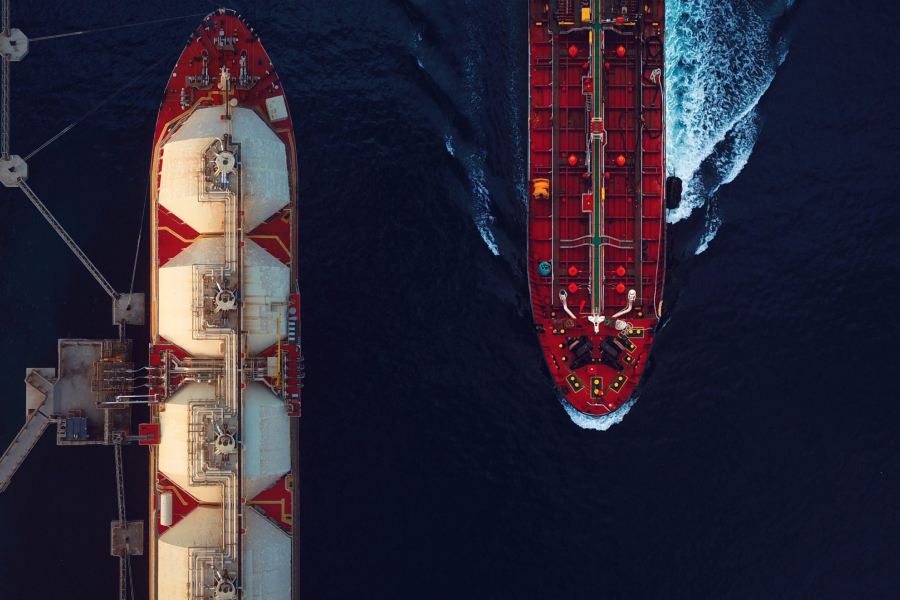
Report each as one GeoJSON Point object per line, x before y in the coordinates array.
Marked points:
{"type": "Point", "coordinates": [262, 168]}
{"type": "Point", "coordinates": [266, 432]}
{"type": "Point", "coordinates": [201, 528]}
{"type": "Point", "coordinates": [266, 285]}
{"type": "Point", "coordinates": [173, 453]}
{"type": "Point", "coordinates": [267, 560]}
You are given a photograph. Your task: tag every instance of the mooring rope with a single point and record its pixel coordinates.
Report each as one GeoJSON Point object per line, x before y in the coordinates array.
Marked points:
{"type": "Point", "coordinates": [137, 250]}
{"type": "Point", "coordinates": [51, 37]}
{"type": "Point", "coordinates": [96, 108]}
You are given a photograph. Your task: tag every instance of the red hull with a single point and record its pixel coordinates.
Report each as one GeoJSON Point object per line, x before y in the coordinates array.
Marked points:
{"type": "Point", "coordinates": [597, 185]}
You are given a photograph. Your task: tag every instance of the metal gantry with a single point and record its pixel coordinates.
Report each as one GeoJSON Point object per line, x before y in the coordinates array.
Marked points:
{"type": "Point", "coordinates": [68, 239]}
{"type": "Point", "coordinates": [13, 169]}
{"type": "Point", "coordinates": [126, 537]}
{"type": "Point", "coordinates": [120, 491]}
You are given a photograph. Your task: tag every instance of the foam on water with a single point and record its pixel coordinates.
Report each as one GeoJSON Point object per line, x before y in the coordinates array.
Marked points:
{"type": "Point", "coordinates": [474, 162]}
{"type": "Point", "coordinates": [728, 161]}
{"type": "Point", "coordinates": [721, 57]}
{"type": "Point", "coordinates": [482, 200]}
{"type": "Point", "coordinates": [597, 423]}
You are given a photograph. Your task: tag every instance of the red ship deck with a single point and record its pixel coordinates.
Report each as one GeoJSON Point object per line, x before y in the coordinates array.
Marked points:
{"type": "Point", "coordinates": [597, 183]}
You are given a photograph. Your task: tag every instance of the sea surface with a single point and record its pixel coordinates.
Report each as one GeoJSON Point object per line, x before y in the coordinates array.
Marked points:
{"type": "Point", "coordinates": [761, 458]}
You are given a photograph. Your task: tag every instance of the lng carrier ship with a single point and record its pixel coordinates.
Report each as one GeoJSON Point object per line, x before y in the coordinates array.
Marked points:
{"type": "Point", "coordinates": [225, 357]}
{"type": "Point", "coordinates": [597, 183]}
{"type": "Point", "coordinates": [225, 372]}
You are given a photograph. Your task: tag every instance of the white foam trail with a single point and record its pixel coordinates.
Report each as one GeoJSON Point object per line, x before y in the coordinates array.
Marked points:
{"type": "Point", "coordinates": [483, 217]}
{"type": "Point", "coordinates": [596, 423]}
{"type": "Point", "coordinates": [474, 163]}
{"type": "Point", "coordinates": [448, 141]}
{"type": "Point", "coordinates": [719, 61]}
{"type": "Point", "coordinates": [729, 164]}
{"type": "Point", "coordinates": [712, 228]}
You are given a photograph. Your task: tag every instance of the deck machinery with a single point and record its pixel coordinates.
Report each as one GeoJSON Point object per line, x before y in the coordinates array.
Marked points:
{"type": "Point", "coordinates": [597, 192]}
{"type": "Point", "coordinates": [224, 315]}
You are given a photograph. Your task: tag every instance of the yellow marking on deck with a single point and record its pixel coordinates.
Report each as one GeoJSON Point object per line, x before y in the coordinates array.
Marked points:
{"type": "Point", "coordinates": [619, 382]}
{"type": "Point", "coordinates": [286, 516]}
{"type": "Point", "coordinates": [272, 237]}
{"type": "Point", "coordinates": [575, 382]}
{"type": "Point", "coordinates": [187, 241]}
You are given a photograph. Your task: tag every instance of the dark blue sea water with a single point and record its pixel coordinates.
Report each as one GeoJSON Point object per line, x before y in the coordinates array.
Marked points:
{"type": "Point", "coordinates": [761, 459]}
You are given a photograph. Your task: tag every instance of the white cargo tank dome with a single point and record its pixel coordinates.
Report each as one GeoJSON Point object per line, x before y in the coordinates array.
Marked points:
{"type": "Point", "coordinates": [201, 528]}
{"type": "Point", "coordinates": [267, 439]}
{"type": "Point", "coordinates": [174, 441]}
{"type": "Point", "coordinates": [266, 285]}
{"type": "Point", "coordinates": [263, 169]}
{"type": "Point", "coordinates": [267, 560]}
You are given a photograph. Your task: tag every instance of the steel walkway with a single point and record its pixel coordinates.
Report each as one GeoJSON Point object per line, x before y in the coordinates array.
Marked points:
{"type": "Point", "coordinates": [23, 443]}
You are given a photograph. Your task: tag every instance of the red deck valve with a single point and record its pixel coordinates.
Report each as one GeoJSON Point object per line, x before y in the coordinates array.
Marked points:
{"type": "Point", "coordinates": [573, 271]}
{"type": "Point", "coordinates": [620, 288]}
{"type": "Point", "coordinates": [620, 19]}
{"type": "Point", "coordinates": [620, 160]}
{"type": "Point", "coordinates": [573, 51]}
{"type": "Point", "coordinates": [573, 160]}
{"type": "Point", "coordinates": [573, 288]}
{"type": "Point", "coordinates": [620, 271]}
{"type": "Point", "coordinates": [620, 50]}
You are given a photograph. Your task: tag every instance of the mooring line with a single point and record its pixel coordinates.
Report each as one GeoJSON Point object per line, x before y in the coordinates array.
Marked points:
{"type": "Point", "coordinates": [50, 37]}
{"type": "Point", "coordinates": [96, 108]}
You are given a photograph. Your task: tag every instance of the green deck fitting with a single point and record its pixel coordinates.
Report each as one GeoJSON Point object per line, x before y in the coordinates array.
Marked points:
{"type": "Point", "coordinates": [597, 150]}
{"type": "Point", "coordinates": [618, 382]}
{"type": "Point", "coordinates": [575, 382]}
{"type": "Point", "coordinates": [626, 343]}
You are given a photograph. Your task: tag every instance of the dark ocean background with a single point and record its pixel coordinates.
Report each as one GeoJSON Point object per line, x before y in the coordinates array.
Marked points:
{"type": "Point", "coordinates": [762, 457]}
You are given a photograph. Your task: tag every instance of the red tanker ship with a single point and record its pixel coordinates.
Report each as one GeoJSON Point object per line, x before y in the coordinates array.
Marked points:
{"type": "Point", "coordinates": [597, 183]}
